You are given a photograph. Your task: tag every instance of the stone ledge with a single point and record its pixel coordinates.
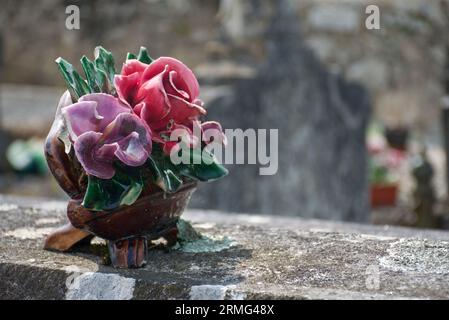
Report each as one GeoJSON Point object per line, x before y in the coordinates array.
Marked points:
{"type": "Point", "coordinates": [264, 257]}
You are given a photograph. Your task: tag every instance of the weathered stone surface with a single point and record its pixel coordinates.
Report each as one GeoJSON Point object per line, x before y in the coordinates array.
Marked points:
{"type": "Point", "coordinates": [268, 257]}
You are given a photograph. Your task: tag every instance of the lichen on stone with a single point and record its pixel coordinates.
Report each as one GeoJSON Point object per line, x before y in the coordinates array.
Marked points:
{"type": "Point", "coordinates": [417, 255]}
{"type": "Point", "coordinates": [186, 232]}
{"type": "Point", "coordinates": [190, 240]}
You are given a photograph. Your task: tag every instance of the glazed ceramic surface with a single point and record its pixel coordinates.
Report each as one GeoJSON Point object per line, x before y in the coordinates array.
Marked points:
{"type": "Point", "coordinates": [150, 215]}
{"type": "Point", "coordinates": [110, 149]}
{"type": "Point", "coordinates": [127, 228]}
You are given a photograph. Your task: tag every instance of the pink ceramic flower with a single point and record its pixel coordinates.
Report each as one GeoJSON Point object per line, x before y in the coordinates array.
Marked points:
{"type": "Point", "coordinates": [103, 130]}
{"type": "Point", "coordinates": [164, 94]}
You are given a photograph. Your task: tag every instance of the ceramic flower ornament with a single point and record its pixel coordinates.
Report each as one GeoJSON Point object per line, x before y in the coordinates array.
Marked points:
{"type": "Point", "coordinates": [165, 94]}
{"type": "Point", "coordinates": [109, 149]}
{"type": "Point", "coordinates": [104, 130]}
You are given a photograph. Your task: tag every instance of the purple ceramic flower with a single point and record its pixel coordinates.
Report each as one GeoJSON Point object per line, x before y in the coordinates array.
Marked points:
{"type": "Point", "coordinates": [104, 129]}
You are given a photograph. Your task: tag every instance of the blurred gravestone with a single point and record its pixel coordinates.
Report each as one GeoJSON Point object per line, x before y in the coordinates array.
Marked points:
{"type": "Point", "coordinates": [4, 137]}
{"type": "Point", "coordinates": [321, 120]}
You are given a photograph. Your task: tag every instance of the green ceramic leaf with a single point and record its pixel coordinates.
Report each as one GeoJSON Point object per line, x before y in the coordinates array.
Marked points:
{"type": "Point", "coordinates": [169, 176]}
{"type": "Point", "coordinates": [105, 61]}
{"type": "Point", "coordinates": [171, 181]}
{"type": "Point", "coordinates": [123, 189]}
{"type": "Point", "coordinates": [203, 166]}
{"type": "Point", "coordinates": [164, 174]}
{"type": "Point", "coordinates": [91, 74]}
{"type": "Point", "coordinates": [130, 56]}
{"type": "Point", "coordinates": [144, 56]}
{"type": "Point", "coordinates": [103, 81]}
{"type": "Point", "coordinates": [76, 85]}
{"type": "Point", "coordinates": [96, 78]}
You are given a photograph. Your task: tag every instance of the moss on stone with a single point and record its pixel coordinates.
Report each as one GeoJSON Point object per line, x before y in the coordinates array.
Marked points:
{"type": "Point", "coordinates": [190, 240]}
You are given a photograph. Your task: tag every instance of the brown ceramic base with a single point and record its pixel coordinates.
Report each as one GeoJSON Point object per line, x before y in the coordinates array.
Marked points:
{"type": "Point", "coordinates": [152, 214]}
{"type": "Point", "coordinates": [131, 252]}
{"type": "Point", "coordinates": [66, 237]}
{"type": "Point", "coordinates": [127, 228]}
{"type": "Point", "coordinates": [128, 253]}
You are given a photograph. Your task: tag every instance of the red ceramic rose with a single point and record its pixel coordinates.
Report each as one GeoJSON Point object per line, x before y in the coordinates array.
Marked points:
{"type": "Point", "coordinates": [164, 94]}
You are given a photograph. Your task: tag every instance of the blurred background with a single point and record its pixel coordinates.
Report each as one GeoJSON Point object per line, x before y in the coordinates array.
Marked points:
{"type": "Point", "coordinates": [361, 113]}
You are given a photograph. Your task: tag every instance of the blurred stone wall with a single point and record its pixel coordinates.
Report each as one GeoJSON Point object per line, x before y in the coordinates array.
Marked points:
{"type": "Point", "coordinates": [401, 64]}
{"type": "Point", "coordinates": [34, 32]}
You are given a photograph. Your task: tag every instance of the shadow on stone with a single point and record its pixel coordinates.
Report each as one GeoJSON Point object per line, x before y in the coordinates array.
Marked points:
{"type": "Point", "coordinates": [197, 259]}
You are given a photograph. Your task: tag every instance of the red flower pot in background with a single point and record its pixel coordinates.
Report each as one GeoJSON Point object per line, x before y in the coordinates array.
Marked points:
{"type": "Point", "coordinates": [383, 195]}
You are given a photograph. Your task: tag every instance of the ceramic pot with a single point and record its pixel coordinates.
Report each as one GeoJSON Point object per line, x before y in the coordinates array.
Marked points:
{"type": "Point", "coordinates": [129, 228]}
{"type": "Point", "coordinates": [126, 229]}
